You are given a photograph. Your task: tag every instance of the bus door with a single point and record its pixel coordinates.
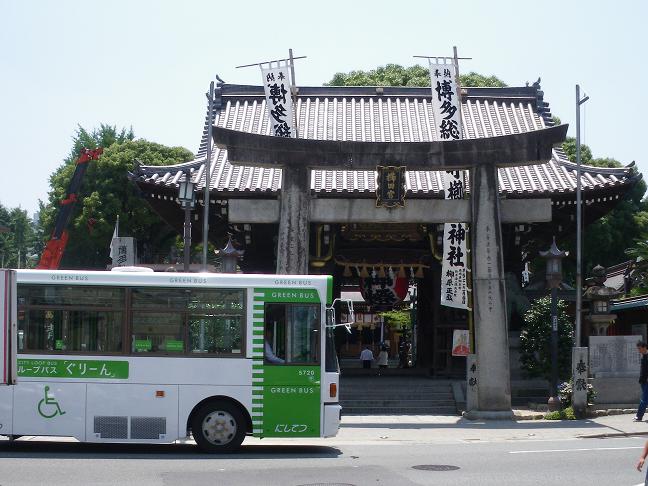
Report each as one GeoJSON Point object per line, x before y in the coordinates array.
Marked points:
{"type": "Point", "coordinates": [8, 320]}
{"type": "Point", "coordinates": [8, 326]}
{"type": "Point", "coordinates": [291, 372]}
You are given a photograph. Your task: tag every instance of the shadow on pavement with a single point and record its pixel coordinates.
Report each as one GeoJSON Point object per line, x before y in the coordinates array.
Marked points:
{"type": "Point", "coordinates": [468, 424]}
{"type": "Point", "coordinates": [28, 449]}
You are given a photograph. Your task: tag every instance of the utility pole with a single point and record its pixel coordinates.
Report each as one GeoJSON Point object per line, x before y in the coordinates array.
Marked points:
{"type": "Point", "coordinates": [579, 223]}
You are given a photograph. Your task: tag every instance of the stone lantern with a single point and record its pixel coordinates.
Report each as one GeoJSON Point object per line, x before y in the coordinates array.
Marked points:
{"type": "Point", "coordinates": [230, 256]}
{"type": "Point", "coordinates": [599, 296]}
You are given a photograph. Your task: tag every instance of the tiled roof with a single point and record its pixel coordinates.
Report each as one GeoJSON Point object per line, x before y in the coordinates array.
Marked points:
{"type": "Point", "coordinates": [383, 114]}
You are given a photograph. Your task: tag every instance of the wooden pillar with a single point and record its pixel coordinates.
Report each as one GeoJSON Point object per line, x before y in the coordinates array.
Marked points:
{"type": "Point", "coordinates": [294, 221]}
{"type": "Point", "coordinates": [489, 300]}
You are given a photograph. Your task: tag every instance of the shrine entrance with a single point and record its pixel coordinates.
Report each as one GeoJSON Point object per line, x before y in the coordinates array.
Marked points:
{"type": "Point", "coordinates": [308, 205]}
{"type": "Point", "coordinates": [297, 210]}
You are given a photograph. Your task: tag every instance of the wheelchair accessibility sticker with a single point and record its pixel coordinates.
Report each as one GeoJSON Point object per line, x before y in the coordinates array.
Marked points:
{"type": "Point", "coordinates": [48, 407]}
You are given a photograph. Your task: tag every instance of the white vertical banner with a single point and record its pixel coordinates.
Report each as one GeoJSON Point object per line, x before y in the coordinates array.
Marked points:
{"type": "Point", "coordinates": [446, 102]}
{"type": "Point", "coordinates": [123, 251]}
{"type": "Point", "coordinates": [446, 106]}
{"type": "Point", "coordinates": [278, 89]}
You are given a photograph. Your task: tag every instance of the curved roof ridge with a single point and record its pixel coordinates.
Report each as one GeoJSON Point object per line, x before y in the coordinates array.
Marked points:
{"type": "Point", "coordinates": [601, 170]}
{"type": "Point", "coordinates": [142, 169]}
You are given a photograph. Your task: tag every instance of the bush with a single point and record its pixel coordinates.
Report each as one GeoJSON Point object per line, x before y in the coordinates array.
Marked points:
{"type": "Point", "coordinates": [535, 340]}
{"type": "Point", "coordinates": [564, 414]}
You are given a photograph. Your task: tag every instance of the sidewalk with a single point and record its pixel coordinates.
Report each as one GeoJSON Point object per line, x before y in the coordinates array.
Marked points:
{"type": "Point", "coordinates": [431, 428]}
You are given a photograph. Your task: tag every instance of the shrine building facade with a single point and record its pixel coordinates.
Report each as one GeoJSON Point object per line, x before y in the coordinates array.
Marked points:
{"type": "Point", "coordinates": [361, 243]}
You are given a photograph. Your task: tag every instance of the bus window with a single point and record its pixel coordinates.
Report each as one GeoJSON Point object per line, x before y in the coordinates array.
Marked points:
{"type": "Point", "coordinates": [60, 319]}
{"type": "Point", "coordinates": [158, 320]}
{"type": "Point", "coordinates": [157, 332]}
{"type": "Point", "coordinates": [216, 320]}
{"type": "Point", "coordinates": [292, 333]}
{"type": "Point", "coordinates": [215, 334]}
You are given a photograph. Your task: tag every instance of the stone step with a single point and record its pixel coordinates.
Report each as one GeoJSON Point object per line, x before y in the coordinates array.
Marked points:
{"type": "Point", "coordinates": [409, 395]}
{"type": "Point", "coordinates": [388, 386]}
{"type": "Point", "coordinates": [399, 410]}
{"type": "Point", "coordinates": [390, 402]}
{"type": "Point", "coordinates": [445, 395]}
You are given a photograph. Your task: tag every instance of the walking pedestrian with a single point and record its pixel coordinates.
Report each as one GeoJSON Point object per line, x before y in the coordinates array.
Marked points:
{"type": "Point", "coordinates": [383, 359]}
{"type": "Point", "coordinates": [642, 347]}
{"type": "Point", "coordinates": [366, 356]}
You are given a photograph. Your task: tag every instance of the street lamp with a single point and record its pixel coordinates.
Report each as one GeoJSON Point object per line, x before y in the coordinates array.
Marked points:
{"type": "Point", "coordinates": [554, 258]}
{"type": "Point", "coordinates": [187, 199]}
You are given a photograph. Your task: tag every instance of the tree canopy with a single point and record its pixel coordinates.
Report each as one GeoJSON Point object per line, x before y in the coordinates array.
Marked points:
{"type": "Point", "coordinates": [569, 146]}
{"type": "Point", "coordinates": [105, 193]}
{"type": "Point", "coordinates": [397, 75]}
{"type": "Point", "coordinates": [19, 246]}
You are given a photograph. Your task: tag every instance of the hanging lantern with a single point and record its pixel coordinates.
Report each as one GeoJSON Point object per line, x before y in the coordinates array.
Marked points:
{"type": "Point", "coordinates": [383, 292]}
{"type": "Point", "coordinates": [401, 272]}
{"type": "Point", "coordinates": [419, 271]}
{"type": "Point", "coordinates": [381, 272]}
{"type": "Point", "coordinates": [364, 273]}
{"type": "Point", "coordinates": [347, 271]}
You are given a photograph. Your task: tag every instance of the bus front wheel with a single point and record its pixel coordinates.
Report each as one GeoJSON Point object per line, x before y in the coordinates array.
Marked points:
{"type": "Point", "coordinates": [218, 426]}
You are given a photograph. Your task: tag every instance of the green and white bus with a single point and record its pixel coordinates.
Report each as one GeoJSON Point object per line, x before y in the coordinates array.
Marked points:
{"type": "Point", "coordinates": [140, 357]}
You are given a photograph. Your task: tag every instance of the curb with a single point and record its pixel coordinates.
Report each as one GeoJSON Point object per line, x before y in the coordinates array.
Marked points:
{"type": "Point", "coordinates": [612, 435]}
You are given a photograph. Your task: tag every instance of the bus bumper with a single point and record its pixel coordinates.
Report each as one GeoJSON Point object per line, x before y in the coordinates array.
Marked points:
{"type": "Point", "coordinates": [331, 419]}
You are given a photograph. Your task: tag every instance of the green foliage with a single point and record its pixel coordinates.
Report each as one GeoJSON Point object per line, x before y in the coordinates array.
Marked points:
{"type": "Point", "coordinates": [535, 340]}
{"type": "Point", "coordinates": [18, 247]}
{"type": "Point", "coordinates": [569, 146]}
{"type": "Point", "coordinates": [397, 75]}
{"type": "Point", "coordinates": [564, 414]}
{"type": "Point", "coordinates": [476, 80]}
{"type": "Point", "coordinates": [105, 193]}
{"type": "Point", "coordinates": [400, 319]}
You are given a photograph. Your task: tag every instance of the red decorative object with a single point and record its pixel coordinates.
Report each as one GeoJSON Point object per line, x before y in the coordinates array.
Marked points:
{"type": "Point", "coordinates": [383, 291]}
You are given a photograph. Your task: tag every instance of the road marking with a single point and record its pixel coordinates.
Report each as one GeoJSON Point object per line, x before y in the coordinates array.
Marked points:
{"type": "Point", "coordinates": [578, 450]}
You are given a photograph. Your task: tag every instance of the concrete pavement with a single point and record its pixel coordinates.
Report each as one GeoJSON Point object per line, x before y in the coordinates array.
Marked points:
{"type": "Point", "coordinates": [432, 429]}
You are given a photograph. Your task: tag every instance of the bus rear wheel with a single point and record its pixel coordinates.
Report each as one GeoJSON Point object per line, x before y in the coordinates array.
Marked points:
{"type": "Point", "coordinates": [218, 426]}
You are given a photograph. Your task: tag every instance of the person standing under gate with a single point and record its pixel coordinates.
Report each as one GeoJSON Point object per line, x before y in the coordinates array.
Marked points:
{"type": "Point", "coordinates": [366, 356]}
{"type": "Point", "coordinates": [642, 347]}
{"type": "Point", "coordinates": [383, 359]}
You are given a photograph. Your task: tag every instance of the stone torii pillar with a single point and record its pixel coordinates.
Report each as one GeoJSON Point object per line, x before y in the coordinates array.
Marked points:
{"type": "Point", "coordinates": [481, 156]}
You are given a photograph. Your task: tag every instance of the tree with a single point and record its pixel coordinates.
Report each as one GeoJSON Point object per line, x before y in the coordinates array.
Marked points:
{"type": "Point", "coordinates": [105, 193]}
{"type": "Point", "coordinates": [535, 340]}
{"type": "Point", "coordinates": [17, 246]}
{"type": "Point", "coordinates": [398, 319]}
{"type": "Point", "coordinates": [569, 146]}
{"type": "Point", "coordinates": [397, 75]}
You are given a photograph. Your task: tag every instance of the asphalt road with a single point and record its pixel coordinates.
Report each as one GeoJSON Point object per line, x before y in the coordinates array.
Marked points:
{"type": "Point", "coordinates": [520, 462]}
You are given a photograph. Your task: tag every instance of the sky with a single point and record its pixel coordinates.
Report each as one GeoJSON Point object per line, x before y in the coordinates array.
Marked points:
{"type": "Point", "coordinates": [147, 64]}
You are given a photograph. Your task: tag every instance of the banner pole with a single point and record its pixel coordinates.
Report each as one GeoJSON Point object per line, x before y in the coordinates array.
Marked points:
{"type": "Point", "coordinates": [293, 89]}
